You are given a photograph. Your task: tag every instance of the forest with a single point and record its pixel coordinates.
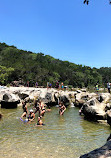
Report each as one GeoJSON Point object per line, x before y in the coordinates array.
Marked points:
{"type": "Point", "coordinates": [26, 66]}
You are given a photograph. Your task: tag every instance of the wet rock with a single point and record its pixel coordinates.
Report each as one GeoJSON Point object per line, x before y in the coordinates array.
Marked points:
{"type": "Point", "coordinates": [102, 152]}
{"type": "Point", "coordinates": [65, 100]}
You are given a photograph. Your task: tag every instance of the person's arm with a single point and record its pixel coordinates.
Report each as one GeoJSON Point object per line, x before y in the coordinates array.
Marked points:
{"type": "Point", "coordinates": [64, 108]}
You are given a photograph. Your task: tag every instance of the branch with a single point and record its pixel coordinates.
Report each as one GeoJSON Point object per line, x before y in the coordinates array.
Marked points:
{"type": "Point", "coordinates": [87, 2]}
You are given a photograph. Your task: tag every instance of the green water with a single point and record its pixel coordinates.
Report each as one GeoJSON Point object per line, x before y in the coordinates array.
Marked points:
{"type": "Point", "coordinates": [67, 136]}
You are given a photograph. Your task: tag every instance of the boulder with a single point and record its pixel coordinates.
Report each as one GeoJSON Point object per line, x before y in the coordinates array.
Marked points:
{"type": "Point", "coordinates": [94, 110]}
{"type": "Point", "coordinates": [9, 100]}
{"type": "Point", "coordinates": [109, 117]}
{"type": "Point", "coordinates": [104, 97]}
{"type": "Point", "coordinates": [65, 100]}
{"type": "Point", "coordinates": [81, 98]}
{"type": "Point", "coordinates": [102, 152]}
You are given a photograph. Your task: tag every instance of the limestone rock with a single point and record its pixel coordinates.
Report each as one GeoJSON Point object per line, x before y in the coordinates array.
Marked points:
{"type": "Point", "coordinates": [94, 110]}
{"type": "Point", "coordinates": [102, 152]}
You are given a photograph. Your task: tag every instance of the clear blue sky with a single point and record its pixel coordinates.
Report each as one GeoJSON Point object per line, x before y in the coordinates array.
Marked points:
{"type": "Point", "coordinates": [65, 29]}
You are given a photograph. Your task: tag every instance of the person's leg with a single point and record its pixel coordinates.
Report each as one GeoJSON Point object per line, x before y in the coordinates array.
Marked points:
{"type": "Point", "coordinates": [23, 115]}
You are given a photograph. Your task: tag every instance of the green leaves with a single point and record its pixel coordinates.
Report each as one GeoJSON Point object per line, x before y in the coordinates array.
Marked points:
{"type": "Point", "coordinates": [42, 68]}
{"type": "Point", "coordinates": [5, 73]}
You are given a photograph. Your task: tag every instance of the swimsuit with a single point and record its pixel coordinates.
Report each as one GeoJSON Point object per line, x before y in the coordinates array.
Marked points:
{"type": "Point", "coordinates": [30, 117]}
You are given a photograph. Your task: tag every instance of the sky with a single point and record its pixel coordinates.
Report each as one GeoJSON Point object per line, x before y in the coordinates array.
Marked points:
{"type": "Point", "coordinates": [65, 29]}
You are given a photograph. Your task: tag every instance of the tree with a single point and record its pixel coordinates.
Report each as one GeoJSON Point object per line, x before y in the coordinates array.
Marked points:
{"type": "Point", "coordinates": [87, 2]}
{"type": "Point", "coordinates": [4, 74]}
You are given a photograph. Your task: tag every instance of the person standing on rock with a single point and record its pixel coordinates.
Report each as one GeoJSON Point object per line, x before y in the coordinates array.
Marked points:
{"type": "Point", "coordinates": [36, 84]}
{"type": "Point", "coordinates": [108, 86]}
{"type": "Point", "coordinates": [97, 88]}
{"type": "Point", "coordinates": [57, 85]}
{"type": "Point", "coordinates": [62, 86]}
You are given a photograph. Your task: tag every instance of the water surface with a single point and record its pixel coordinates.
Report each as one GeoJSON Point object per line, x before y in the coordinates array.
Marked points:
{"type": "Point", "coordinates": [62, 136]}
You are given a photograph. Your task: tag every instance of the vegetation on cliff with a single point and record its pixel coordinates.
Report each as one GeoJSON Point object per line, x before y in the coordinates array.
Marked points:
{"type": "Point", "coordinates": [23, 65]}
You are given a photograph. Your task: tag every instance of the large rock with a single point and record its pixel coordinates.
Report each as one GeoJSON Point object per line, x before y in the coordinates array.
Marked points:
{"type": "Point", "coordinates": [9, 101]}
{"type": "Point", "coordinates": [109, 117]}
{"type": "Point", "coordinates": [81, 98]}
{"type": "Point", "coordinates": [104, 97]}
{"type": "Point", "coordinates": [94, 110]}
{"type": "Point", "coordinates": [102, 152]}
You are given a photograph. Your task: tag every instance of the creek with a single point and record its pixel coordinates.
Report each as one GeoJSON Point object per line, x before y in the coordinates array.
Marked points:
{"type": "Point", "coordinates": [67, 136]}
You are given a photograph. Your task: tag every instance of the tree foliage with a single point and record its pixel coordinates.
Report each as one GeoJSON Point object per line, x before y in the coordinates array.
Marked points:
{"type": "Point", "coordinates": [5, 74]}
{"type": "Point", "coordinates": [23, 65]}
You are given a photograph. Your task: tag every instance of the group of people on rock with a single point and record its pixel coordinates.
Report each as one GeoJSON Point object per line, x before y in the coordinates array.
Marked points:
{"type": "Point", "coordinates": [39, 107]}
{"type": "Point", "coordinates": [58, 85]}
{"type": "Point", "coordinates": [108, 87]}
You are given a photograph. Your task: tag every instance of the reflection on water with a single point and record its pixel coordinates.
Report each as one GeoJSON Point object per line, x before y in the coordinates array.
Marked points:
{"type": "Point", "coordinates": [62, 136]}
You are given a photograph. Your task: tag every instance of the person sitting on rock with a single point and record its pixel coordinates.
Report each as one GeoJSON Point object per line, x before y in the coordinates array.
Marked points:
{"type": "Point", "coordinates": [25, 110]}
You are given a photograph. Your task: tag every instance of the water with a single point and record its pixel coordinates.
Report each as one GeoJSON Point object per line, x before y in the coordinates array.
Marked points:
{"type": "Point", "coordinates": [62, 136]}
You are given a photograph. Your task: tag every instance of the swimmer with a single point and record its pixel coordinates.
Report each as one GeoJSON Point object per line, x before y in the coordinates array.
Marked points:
{"type": "Point", "coordinates": [39, 122]}
{"type": "Point", "coordinates": [41, 108]}
{"type": "Point", "coordinates": [36, 106]}
{"type": "Point", "coordinates": [48, 108]}
{"type": "Point", "coordinates": [62, 108]}
{"type": "Point", "coordinates": [25, 110]}
{"type": "Point", "coordinates": [31, 116]}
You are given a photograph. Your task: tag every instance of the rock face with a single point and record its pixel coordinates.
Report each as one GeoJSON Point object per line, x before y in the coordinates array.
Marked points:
{"type": "Point", "coordinates": [94, 110]}
{"type": "Point", "coordinates": [82, 97]}
{"type": "Point", "coordinates": [109, 117]}
{"type": "Point", "coordinates": [9, 101]}
{"type": "Point", "coordinates": [102, 152]}
{"type": "Point", "coordinates": [94, 107]}
{"type": "Point", "coordinates": [10, 97]}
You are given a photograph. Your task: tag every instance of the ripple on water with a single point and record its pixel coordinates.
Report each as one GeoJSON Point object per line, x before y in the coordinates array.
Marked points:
{"type": "Point", "coordinates": [62, 136]}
